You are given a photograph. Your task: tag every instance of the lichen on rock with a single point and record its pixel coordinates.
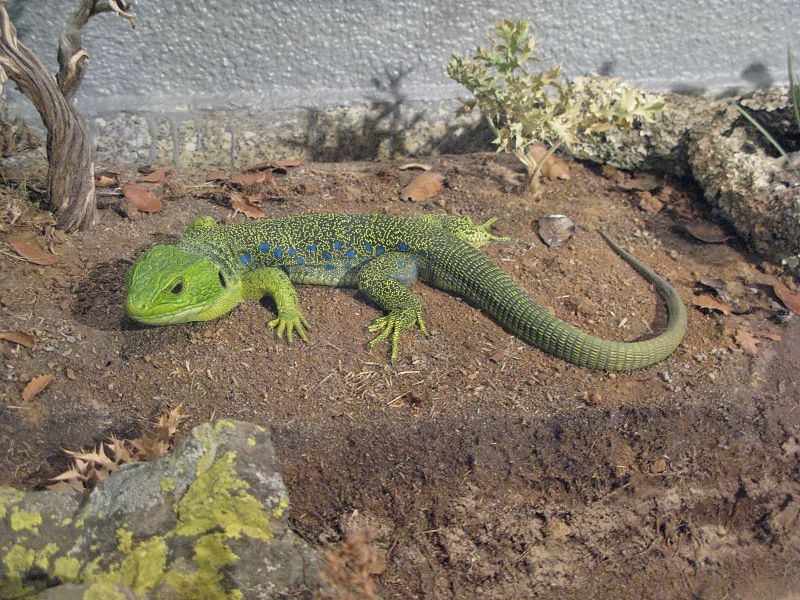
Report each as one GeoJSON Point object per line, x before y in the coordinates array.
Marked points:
{"type": "Point", "coordinates": [219, 517]}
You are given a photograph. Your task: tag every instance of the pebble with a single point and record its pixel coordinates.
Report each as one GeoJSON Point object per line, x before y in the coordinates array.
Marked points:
{"type": "Point", "coordinates": [665, 376]}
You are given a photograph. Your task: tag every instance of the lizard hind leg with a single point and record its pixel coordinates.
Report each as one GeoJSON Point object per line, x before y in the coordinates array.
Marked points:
{"type": "Point", "coordinates": [385, 281]}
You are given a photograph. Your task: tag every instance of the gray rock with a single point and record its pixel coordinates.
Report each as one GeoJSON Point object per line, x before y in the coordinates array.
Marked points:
{"type": "Point", "coordinates": [709, 140]}
{"type": "Point", "coordinates": [207, 521]}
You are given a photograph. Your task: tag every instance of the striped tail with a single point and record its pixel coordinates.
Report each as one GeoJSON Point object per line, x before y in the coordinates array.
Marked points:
{"type": "Point", "coordinates": [458, 268]}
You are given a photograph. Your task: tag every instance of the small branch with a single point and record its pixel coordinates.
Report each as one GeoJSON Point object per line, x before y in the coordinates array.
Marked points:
{"type": "Point", "coordinates": [72, 58]}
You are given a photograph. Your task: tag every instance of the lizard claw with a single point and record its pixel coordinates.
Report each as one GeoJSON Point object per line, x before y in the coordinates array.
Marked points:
{"type": "Point", "coordinates": [392, 325]}
{"type": "Point", "coordinates": [290, 321]}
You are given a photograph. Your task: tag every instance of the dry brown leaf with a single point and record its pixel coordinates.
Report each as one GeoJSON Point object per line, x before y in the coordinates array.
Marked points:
{"type": "Point", "coordinates": [790, 299]}
{"type": "Point", "coordinates": [709, 302]}
{"type": "Point", "coordinates": [746, 341]}
{"type": "Point", "coordinates": [249, 178]}
{"type": "Point", "coordinates": [105, 180]}
{"type": "Point", "coordinates": [415, 167]}
{"type": "Point", "coordinates": [31, 253]}
{"type": "Point", "coordinates": [768, 335]}
{"type": "Point", "coordinates": [643, 182]}
{"type": "Point", "coordinates": [423, 187]}
{"type": "Point", "coordinates": [288, 163]}
{"type": "Point", "coordinates": [240, 204]}
{"type": "Point", "coordinates": [216, 176]}
{"type": "Point", "coordinates": [156, 176]}
{"type": "Point", "coordinates": [649, 203]}
{"type": "Point", "coordinates": [705, 232]}
{"type": "Point", "coordinates": [613, 174]}
{"type": "Point", "coordinates": [143, 200]}
{"type": "Point", "coordinates": [17, 337]}
{"type": "Point", "coordinates": [554, 167]}
{"type": "Point", "coordinates": [36, 385]}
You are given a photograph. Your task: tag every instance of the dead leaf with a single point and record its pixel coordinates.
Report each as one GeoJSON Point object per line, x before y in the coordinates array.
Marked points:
{"type": "Point", "coordinates": [17, 337]}
{"type": "Point", "coordinates": [288, 163]}
{"type": "Point", "coordinates": [143, 200]}
{"type": "Point", "coordinates": [240, 204]}
{"type": "Point", "coordinates": [249, 178]}
{"type": "Point", "coordinates": [277, 165]}
{"type": "Point", "coordinates": [790, 299]}
{"type": "Point", "coordinates": [649, 203]}
{"type": "Point", "coordinates": [216, 176]}
{"type": "Point", "coordinates": [768, 335]}
{"type": "Point", "coordinates": [643, 182]}
{"type": "Point", "coordinates": [709, 302]}
{"type": "Point", "coordinates": [31, 253]}
{"type": "Point", "coordinates": [705, 232]}
{"type": "Point", "coordinates": [746, 341]}
{"type": "Point", "coordinates": [36, 385]}
{"type": "Point", "coordinates": [613, 173]}
{"type": "Point", "coordinates": [554, 167]}
{"type": "Point", "coordinates": [423, 187]}
{"type": "Point", "coordinates": [105, 180]}
{"type": "Point", "coordinates": [157, 176]}
{"type": "Point", "coordinates": [415, 167]}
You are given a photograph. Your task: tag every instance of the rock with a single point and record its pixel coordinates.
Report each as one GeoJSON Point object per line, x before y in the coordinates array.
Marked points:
{"type": "Point", "coordinates": [555, 230]}
{"type": "Point", "coordinates": [710, 140]}
{"type": "Point", "coordinates": [208, 520]}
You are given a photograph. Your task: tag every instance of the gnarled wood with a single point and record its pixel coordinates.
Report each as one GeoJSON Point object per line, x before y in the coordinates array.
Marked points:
{"type": "Point", "coordinates": [70, 178]}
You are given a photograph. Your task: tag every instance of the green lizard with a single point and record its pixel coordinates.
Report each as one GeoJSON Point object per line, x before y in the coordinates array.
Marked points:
{"type": "Point", "coordinates": [212, 268]}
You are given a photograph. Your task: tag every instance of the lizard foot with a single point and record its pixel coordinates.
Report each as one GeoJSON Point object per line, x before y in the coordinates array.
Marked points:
{"type": "Point", "coordinates": [291, 321]}
{"type": "Point", "coordinates": [490, 238]}
{"type": "Point", "coordinates": [391, 325]}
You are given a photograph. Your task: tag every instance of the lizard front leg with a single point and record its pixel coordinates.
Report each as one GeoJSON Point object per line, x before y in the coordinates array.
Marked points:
{"type": "Point", "coordinates": [385, 282]}
{"type": "Point", "coordinates": [274, 282]}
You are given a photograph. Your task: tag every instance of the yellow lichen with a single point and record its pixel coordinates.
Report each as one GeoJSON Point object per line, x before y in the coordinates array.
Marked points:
{"type": "Point", "coordinates": [222, 424]}
{"type": "Point", "coordinates": [167, 485]}
{"type": "Point", "coordinates": [66, 521]}
{"type": "Point", "coordinates": [141, 570]}
{"type": "Point", "coordinates": [124, 540]}
{"type": "Point", "coordinates": [211, 554]}
{"type": "Point", "coordinates": [67, 569]}
{"type": "Point", "coordinates": [9, 497]}
{"type": "Point", "coordinates": [251, 441]}
{"type": "Point", "coordinates": [218, 498]}
{"type": "Point", "coordinates": [43, 556]}
{"type": "Point", "coordinates": [19, 559]}
{"type": "Point", "coordinates": [283, 504]}
{"type": "Point", "coordinates": [22, 520]}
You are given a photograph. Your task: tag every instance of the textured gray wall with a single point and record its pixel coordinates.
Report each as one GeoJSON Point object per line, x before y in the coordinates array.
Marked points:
{"type": "Point", "coordinates": [256, 57]}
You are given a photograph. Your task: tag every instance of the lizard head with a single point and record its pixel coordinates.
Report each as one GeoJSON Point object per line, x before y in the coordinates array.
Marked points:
{"type": "Point", "coordinates": [168, 285]}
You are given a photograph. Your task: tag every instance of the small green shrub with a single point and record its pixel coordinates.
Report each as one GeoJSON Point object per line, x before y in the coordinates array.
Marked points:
{"type": "Point", "coordinates": [524, 106]}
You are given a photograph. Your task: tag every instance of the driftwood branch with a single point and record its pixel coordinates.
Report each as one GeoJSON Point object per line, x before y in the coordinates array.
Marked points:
{"type": "Point", "coordinates": [70, 178]}
{"type": "Point", "coordinates": [72, 58]}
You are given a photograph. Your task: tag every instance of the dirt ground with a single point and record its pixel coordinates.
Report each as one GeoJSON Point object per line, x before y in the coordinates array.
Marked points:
{"type": "Point", "coordinates": [480, 467]}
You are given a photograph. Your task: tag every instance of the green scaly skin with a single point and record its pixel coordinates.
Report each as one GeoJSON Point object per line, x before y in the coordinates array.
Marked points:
{"type": "Point", "coordinates": [212, 269]}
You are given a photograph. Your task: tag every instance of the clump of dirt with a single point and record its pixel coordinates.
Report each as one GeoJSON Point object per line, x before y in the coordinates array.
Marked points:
{"type": "Point", "coordinates": [483, 467]}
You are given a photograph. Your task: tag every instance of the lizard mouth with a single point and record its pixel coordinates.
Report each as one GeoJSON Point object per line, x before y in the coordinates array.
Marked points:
{"type": "Point", "coordinates": [148, 314]}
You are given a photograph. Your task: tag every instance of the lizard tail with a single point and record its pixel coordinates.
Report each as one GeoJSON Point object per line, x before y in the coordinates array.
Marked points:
{"type": "Point", "coordinates": [462, 270]}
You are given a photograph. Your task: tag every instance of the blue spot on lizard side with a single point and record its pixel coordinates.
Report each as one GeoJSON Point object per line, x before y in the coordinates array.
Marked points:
{"type": "Point", "coordinates": [311, 248]}
{"type": "Point", "coordinates": [327, 255]}
{"type": "Point", "coordinates": [402, 246]}
{"type": "Point", "coordinates": [264, 247]}
{"type": "Point", "coordinates": [337, 245]}
{"type": "Point", "coordinates": [300, 260]}
{"type": "Point", "coordinates": [277, 253]}
{"type": "Point", "coordinates": [245, 258]}
{"type": "Point", "coordinates": [350, 253]}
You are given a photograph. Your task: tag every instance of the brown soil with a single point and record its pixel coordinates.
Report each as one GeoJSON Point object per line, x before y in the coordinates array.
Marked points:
{"type": "Point", "coordinates": [482, 467]}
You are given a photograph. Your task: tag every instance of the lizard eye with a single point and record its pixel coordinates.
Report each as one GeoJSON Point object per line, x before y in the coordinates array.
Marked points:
{"type": "Point", "coordinates": [222, 281]}
{"type": "Point", "coordinates": [178, 288]}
